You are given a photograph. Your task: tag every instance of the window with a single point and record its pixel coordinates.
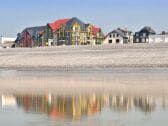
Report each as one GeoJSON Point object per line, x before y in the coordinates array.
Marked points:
{"type": "Point", "coordinates": [110, 41]}
{"type": "Point", "coordinates": [110, 36]}
{"type": "Point", "coordinates": [117, 41]}
{"type": "Point", "coordinates": [76, 28]}
{"type": "Point", "coordinates": [113, 35]}
{"type": "Point", "coordinates": [117, 35]}
{"type": "Point", "coordinates": [143, 40]}
{"type": "Point", "coordinates": [144, 34]}
{"type": "Point", "coordinates": [137, 40]}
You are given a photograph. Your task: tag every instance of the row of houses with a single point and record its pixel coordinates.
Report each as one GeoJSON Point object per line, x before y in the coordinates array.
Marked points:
{"type": "Point", "coordinates": [145, 35]}
{"type": "Point", "coordinates": [73, 31]}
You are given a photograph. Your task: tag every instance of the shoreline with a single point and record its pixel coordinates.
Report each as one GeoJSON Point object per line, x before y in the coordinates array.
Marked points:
{"type": "Point", "coordinates": [116, 81]}
{"type": "Point", "coordinates": [84, 83]}
{"type": "Point", "coordinates": [129, 69]}
{"type": "Point", "coordinates": [84, 67]}
{"type": "Point", "coordinates": [87, 70]}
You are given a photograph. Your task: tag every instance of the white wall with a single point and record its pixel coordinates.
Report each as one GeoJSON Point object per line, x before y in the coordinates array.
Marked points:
{"type": "Point", "coordinates": [3, 40]}
{"type": "Point", "coordinates": [158, 38]}
{"type": "Point", "coordinates": [106, 41]}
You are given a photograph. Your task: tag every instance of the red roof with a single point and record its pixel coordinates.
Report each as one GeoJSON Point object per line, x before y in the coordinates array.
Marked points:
{"type": "Point", "coordinates": [57, 24]}
{"type": "Point", "coordinates": [95, 30]}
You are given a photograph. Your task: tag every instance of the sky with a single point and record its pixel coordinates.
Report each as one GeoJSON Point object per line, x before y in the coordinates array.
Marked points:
{"type": "Point", "coordinates": [15, 15]}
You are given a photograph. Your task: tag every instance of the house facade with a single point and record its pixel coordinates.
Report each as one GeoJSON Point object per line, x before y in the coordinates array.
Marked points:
{"type": "Point", "coordinates": [143, 35]}
{"type": "Point", "coordinates": [119, 36]}
{"type": "Point", "coordinates": [162, 38]}
{"type": "Point", "coordinates": [94, 35]}
{"type": "Point", "coordinates": [72, 32]}
{"type": "Point", "coordinates": [7, 42]}
{"type": "Point", "coordinates": [50, 29]}
{"type": "Point", "coordinates": [4, 40]}
{"type": "Point", "coordinates": [30, 37]}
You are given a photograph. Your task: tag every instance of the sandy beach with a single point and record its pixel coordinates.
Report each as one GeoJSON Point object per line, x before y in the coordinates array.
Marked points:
{"type": "Point", "coordinates": [130, 69]}
{"type": "Point", "coordinates": [64, 57]}
{"type": "Point", "coordinates": [119, 78]}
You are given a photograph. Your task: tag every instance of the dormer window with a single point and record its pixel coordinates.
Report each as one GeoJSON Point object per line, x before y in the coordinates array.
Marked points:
{"type": "Point", "coordinates": [76, 28]}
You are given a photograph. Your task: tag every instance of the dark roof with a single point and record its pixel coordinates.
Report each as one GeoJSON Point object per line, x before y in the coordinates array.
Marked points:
{"type": "Point", "coordinates": [163, 33]}
{"type": "Point", "coordinates": [86, 25]}
{"type": "Point", "coordinates": [73, 20]}
{"type": "Point", "coordinates": [125, 30]}
{"type": "Point", "coordinates": [120, 32]}
{"type": "Point", "coordinates": [148, 29]}
{"type": "Point", "coordinates": [34, 31]}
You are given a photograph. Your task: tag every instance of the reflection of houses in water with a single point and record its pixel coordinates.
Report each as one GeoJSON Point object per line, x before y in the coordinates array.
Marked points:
{"type": "Point", "coordinates": [33, 103]}
{"type": "Point", "coordinates": [164, 102]}
{"type": "Point", "coordinates": [76, 107]}
{"type": "Point", "coordinates": [61, 106]}
{"type": "Point", "coordinates": [146, 104]}
{"type": "Point", "coordinates": [8, 101]}
{"type": "Point", "coordinates": [121, 103]}
{"type": "Point", "coordinates": [124, 104]}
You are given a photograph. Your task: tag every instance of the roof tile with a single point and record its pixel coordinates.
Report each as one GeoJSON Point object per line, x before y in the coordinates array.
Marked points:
{"type": "Point", "coordinates": [57, 24]}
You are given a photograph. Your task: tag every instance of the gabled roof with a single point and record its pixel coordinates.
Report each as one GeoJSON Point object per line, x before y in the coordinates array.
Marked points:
{"type": "Point", "coordinates": [120, 32]}
{"type": "Point", "coordinates": [57, 24]}
{"type": "Point", "coordinates": [34, 31]}
{"type": "Point", "coordinates": [95, 30]}
{"type": "Point", "coordinates": [69, 22]}
{"type": "Point", "coordinates": [73, 20]}
{"type": "Point", "coordinates": [148, 29]}
{"type": "Point", "coordinates": [164, 33]}
{"type": "Point", "coordinates": [125, 30]}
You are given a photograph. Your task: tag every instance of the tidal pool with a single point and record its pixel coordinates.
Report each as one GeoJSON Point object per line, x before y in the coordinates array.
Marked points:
{"type": "Point", "coordinates": [83, 110]}
{"type": "Point", "coordinates": [117, 97]}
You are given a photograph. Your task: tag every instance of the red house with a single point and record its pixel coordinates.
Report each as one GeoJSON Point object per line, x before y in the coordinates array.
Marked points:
{"type": "Point", "coordinates": [30, 37]}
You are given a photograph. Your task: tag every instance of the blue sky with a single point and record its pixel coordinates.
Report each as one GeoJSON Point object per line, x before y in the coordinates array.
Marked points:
{"type": "Point", "coordinates": [15, 15]}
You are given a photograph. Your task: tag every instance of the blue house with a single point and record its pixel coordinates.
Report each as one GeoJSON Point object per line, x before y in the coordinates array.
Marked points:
{"type": "Point", "coordinates": [143, 35]}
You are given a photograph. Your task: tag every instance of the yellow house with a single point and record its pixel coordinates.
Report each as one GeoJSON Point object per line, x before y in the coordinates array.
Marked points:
{"type": "Point", "coordinates": [73, 32]}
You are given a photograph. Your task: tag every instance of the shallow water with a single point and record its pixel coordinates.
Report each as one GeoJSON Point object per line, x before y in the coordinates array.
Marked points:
{"type": "Point", "coordinates": [104, 110]}
{"type": "Point", "coordinates": [118, 97]}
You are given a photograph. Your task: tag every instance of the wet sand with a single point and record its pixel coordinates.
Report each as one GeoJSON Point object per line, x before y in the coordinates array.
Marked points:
{"type": "Point", "coordinates": [135, 82]}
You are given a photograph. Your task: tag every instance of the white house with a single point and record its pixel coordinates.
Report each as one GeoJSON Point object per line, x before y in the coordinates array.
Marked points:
{"type": "Point", "coordinates": [8, 101]}
{"type": "Point", "coordinates": [119, 36]}
{"type": "Point", "coordinates": [158, 38]}
{"type": "Point", "coordinates": [4, 40]}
